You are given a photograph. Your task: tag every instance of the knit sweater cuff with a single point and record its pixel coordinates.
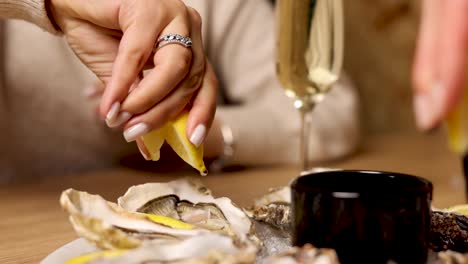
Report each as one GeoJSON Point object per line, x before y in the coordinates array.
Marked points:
{"type": "Point", "coordinates": [33, 11]}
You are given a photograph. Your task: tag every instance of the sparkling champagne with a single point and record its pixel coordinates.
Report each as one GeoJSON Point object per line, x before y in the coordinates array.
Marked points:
{"type": "Point", "coordinates": [309, 47]}
{"type": "Point", "coordinates": [309, 54]}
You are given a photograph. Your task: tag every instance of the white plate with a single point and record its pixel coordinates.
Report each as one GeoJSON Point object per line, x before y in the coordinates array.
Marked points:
{"type": "Point", "coordinates": [75, 248]}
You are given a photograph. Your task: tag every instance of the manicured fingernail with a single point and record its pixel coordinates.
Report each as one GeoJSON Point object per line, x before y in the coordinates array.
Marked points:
{"type": "Point", "coordinates": [198, 135]}
{"type": "Point", "coordinates": [132, 133]}
{"type": "Point", "coordinates": [121, 118]}
{"type": "Point", "coordinates": [143, 153]}
{"type": "Point", "coordinates": [113, 112]}
{"type": "Point", "coordinates": [428, 107]}
{"type": "Point", "coordinates": [90, 92]}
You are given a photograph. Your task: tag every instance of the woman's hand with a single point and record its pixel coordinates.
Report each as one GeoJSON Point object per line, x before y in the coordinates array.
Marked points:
{"type": "Point", "coordinates": [214, 140]}
{"type": "Point", "coordinates": [116, 40]}
{"type": "Point", "coordinates": [440, 64]}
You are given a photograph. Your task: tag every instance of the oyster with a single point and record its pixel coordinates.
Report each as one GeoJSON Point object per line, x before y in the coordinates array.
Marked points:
{"type": "Point", "coordinates": [273, 208]}
{"type": "Point", "coordinates": [305, 255]}
{"type": "Point", "coordinates": [209, 248]}
{"type": "Point", "coordinates": [191, 202]}
{"type": "Point", "coordinates": [110, 227]}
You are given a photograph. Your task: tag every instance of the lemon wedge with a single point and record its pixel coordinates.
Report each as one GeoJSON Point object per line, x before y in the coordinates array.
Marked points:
{"type": "Point", "coordinates": [461, 209]}
{"type": "Point", "coordinates": [457, 127]}
{"type": "Point", "coordinates": [96, 255]}
{"type": "Point", "coordinates": [174, 134]}
{"type": "Point", "coordinates": [168, 221]}
{"type": "Point", "coordinates": [154, 140]}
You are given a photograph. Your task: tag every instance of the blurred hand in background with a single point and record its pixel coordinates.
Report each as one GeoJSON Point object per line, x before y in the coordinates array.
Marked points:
{"type": "Point", "coordinates": [440, 62]}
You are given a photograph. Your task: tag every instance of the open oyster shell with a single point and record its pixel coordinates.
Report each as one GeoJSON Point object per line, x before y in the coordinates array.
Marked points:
{"type": "Point", "coordinates": [209, 248]}
{"type": "Point", "coordinates": [191, 202]}
{"type": "Point", "coordinates": [273, 208]}
{"type": "Point", "coordinates": [110, 227]}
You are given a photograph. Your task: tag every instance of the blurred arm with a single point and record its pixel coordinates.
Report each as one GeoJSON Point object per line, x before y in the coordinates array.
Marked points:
{"type": "Point", "coordinates": [33, 11]}
{"type": "Point", "coordinates": [266, 126]}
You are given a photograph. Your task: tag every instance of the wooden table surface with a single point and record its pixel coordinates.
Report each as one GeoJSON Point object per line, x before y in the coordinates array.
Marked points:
{"type": "Point", "coordinates": [32, 223]}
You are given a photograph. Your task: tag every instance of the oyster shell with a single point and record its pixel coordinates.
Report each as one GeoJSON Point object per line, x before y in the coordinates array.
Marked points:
{"type": "Point", "coordinates": [449, 231]}
{"type": "Point", "coordinates": [279, 195]}
{"type": "Point", "coordinates": [191, 202]}
{"type": "Point", "coordinates": [110, 227]}
{"type": "Point", "coordinates": [452, 257]}
{"type": "Point", "coordinates": [209, 248]}
{"type": "Point", "coordinates": [273, 240]}
{"type": "Point", "coordinates": [273, 208]}
{"type": "Point", "coordinates": [305, 255]}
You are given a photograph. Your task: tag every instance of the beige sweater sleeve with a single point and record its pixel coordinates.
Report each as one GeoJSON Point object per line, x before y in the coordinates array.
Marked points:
{"type": "Point", "coordinates": [266, 126]}
{"type": "Point", "coordinates": [33, 11]}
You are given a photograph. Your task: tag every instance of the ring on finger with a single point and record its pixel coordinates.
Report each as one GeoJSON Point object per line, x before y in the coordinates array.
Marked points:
{"type": "Point", "coordinates": [173, 39]}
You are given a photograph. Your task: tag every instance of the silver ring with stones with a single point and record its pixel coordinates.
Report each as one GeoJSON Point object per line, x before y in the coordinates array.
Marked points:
{"type": "Point", "coordinates": [173, 39]}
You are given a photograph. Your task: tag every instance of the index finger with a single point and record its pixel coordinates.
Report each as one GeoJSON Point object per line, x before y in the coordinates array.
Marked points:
{"type": "Point", "coordinates": [427, 47]}
{"type": "Point", "coordinates": [454, 46]}
{"type": "Point", "coordinates": [135, 48]}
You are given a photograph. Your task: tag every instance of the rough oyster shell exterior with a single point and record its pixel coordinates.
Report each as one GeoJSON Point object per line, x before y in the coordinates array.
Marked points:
{"type": "Point", "coordinates": [449, 231]}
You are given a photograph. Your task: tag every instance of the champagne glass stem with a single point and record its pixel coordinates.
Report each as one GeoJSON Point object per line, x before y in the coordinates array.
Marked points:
{"type": "Point", "coordinates": [306, 114]}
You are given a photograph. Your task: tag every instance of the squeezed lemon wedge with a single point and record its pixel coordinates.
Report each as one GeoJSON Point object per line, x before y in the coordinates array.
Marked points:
{"type": "Point", "coordinates": [174, 134]}
{"type": "Point", "coordinates": [96, 255]}
{"type": "Point", "coordinates": [457, 127]}
{"type": "Point", "coordinates": [154, 141]}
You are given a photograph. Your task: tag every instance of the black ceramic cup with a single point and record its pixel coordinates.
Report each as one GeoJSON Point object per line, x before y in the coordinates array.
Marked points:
{"type": "Point", "coordinates": [366, 216]}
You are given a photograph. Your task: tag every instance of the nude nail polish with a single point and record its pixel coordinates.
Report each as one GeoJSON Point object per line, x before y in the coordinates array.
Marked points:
{"type": "Point", "coordinates": [138, 130]}
{"type": "Point", "coordinates": [121, 118]}
{"type": "Point", "coordinates": [198, 135]}
{"type": "Point", "coordinates": [113, 113]}
{"type": "Point", "coordinates": [428, 106]}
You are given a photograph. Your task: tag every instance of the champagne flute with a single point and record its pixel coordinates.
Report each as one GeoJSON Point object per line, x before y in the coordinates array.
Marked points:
{"type": "Point", "coordinates": [309, 55]}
